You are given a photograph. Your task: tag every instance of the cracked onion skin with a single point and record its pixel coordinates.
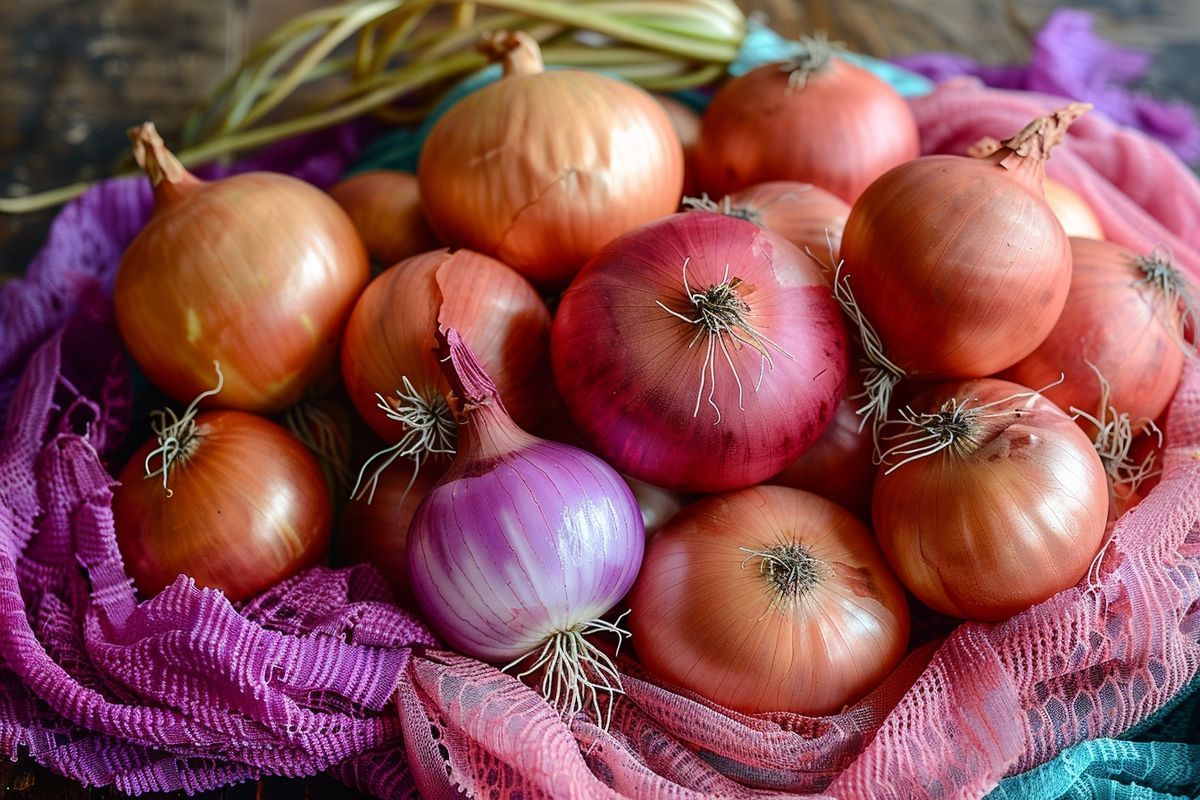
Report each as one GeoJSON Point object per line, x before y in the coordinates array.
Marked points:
{"type": "Point", "coordinates": [542, 169]}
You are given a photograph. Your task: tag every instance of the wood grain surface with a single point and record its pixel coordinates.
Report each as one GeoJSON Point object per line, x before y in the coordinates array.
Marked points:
{"type": "Point", "coordinates": [75, 74]}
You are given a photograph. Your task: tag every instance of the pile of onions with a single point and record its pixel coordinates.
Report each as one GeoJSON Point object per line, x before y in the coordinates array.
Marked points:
{"type": "Point", "coordinates": [768, 599]}
{"type": "Point", "coordinates": [226, 497]}
{"type": "Point", "coordinates": [385, 206]}
{"type": "Point", "coordinates": [1124, 318]}
{"type": "Point", "coordinates": [992, 500]}
{"type": "Point", "coordinates": [542, 169]}
{"type": "Point", "coordinates": [257, 271]}
{"type": "Point", "coordinates": [699, 353]}
{"type": "Point", "coordinates": [957, 264]}
{"type": "Point", "coordinates": [807, 216]}
{"type": "Point", "coordinates": [523, 546]}
{"type": "Point", "coordinates": [816, 119]}
{"type": "Point", "coordinates": [390, 351]}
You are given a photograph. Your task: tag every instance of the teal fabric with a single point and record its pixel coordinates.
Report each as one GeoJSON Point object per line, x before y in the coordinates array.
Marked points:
{"type": "Point", "coordinates": [1157, 760]}
{"type": "Point", "coordinates": [1160, 759]}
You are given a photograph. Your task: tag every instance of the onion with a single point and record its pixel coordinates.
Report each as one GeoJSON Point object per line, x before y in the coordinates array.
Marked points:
{"type": "Point", "coordinates": [816, 119]}
{"type": "Point", "coordinates": [523, 546]}
{"type": "Point", "coordinates": [385, 206]}
{"type": "Point", "coordinates": [959, 268]}
{"type": "Point", "coordinates": [1124, 317]}
{"type": "Point", "coordinates": [993, 500]}
{"type": "Point", "coordinates": [686, 123]}
{"type": "Point", "coordinates": [699, 353]}
{"type": "Point", "coordinates": [235, 502]}
{"type": "Point", "coordinates": [768, 599]}
{"type": "Point", "coordinates": [808, 217]}
{"type": "Point", "coordinates": [542, 169]}
{"type": "Point", "coordinates": [258, 271]}
{"type": "Point", "coordinates": [1073, 212]}
{"type": "Point", "coordinates": [390, 352]}
{"type": "Point", "coordinates": [375, 531]}
{"type": "Point", "coordinates": [840, 466]}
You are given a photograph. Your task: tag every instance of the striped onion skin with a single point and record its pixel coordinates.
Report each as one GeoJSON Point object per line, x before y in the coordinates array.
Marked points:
{"type": "Point", "coordinates": [248, 506]}
{"type": "Point", "coordinates": [523, 538]}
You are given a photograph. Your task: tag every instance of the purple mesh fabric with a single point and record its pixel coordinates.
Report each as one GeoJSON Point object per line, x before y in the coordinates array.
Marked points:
{"type": "Point", "coordinates": [323, 673]}
{"type": "Point", "coordinates": [1070, 60]}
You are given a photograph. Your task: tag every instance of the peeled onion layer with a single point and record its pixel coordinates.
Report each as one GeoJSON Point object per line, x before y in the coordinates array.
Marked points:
{"type": "Point", "coordinates": [1009, 511]}
{"type": "Point", "coordinates": [710, 615]}
{"type": "Point", "coordinates": [688, 412]}
{"type": "Point", "coordinates": [392, 334]}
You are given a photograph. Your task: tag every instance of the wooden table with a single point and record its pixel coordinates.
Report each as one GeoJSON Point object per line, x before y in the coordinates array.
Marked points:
{"type": "Point", "coordinates": [74, 75]}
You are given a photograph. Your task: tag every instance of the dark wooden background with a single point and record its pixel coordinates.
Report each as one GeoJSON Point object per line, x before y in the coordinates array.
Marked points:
{"type": "Point", "coordinates": [74, 74]}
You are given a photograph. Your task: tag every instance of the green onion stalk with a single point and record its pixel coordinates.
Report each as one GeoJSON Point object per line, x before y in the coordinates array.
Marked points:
{"type": "Point", "coordinates": [395, 58]}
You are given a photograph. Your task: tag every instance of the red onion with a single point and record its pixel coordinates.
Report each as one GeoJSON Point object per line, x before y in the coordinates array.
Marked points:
{"type": "Point", "coordinates": [523, 545]}
{"type": "Point", "coordinates": [699, 352]}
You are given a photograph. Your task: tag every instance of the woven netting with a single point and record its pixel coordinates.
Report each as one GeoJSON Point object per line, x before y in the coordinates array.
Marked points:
{"type": "Point", "coordinates": [187, 691]}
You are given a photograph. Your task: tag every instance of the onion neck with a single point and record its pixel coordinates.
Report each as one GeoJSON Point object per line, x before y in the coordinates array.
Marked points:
{"type": "Point", "coordinates": [814, 58]}
{"type": "Point", "coordinates": [1024, 155]}
{"type": "Point", "coordinates": [518, 51]}
{"type": "Point", "coordinates": [485, 429]}
{"type": "Point", "coordinates": [171, 181]}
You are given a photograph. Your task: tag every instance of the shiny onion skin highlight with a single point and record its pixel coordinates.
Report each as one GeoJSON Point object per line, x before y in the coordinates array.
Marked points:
{"type": "Point", "coordinates": [542, 169]}
{"type": "Point", "coordinates": [385, 206]}
{"type": "Point", "coordinates": [244, 506]}
{"type": "Point", "coordinates": [523, 546]}
{"type": "Point", "coordinates": [817, 119]}
{"type": "Point", "coordinates": [1124, 318]}
{"type": "Point", "coordinates": [699, 353]}
{"type": "Point", "coordinates": [990, 501]}
{"type": "Point", "coordinates": [1077, 217]}
{"type": "Point", "coordinates": [768, 599]}
{"type": "Point", "coordinates": [957, 264]}
{"type": "Point", "coordinates": [258, 271]}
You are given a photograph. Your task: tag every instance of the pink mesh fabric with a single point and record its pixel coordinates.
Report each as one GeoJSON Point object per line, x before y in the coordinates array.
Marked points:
{"type": "Point", "coordinates": [186, 691]}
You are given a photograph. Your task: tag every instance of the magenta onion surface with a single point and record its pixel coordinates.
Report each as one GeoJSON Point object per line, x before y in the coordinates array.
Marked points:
{"type": "Point", "coordinates": [524, 544]}
{"type": "Point", "coordinates": [699, 352]}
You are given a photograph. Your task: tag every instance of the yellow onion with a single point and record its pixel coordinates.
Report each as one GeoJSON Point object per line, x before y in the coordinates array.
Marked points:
{"type": "Point", "coordinates": [1077, 217]}
{"type": "Point", "coordinates": [687, 127]}
{"type": "Point", "coordinates": [542, 169]}
{"type": "Point", "coordinates": [385, 206]}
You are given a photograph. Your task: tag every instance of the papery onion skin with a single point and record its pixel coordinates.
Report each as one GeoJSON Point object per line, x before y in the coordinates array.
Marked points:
{"type": "Point", "coordinates": [1130, 331]}
{"type": "Point", "coordinates": [541, 170]}
{"type": "Point", "coordinates": [630, 381]}
{"type": "Point", "coordinates": [840, 130]}
{"type": "Point", "coordinates": [248, 508]}
{"type": "Point", "coordinates": [806, 215]}
{"type": "Point", "coordinates": [258, 271]}
{"type": "Point", "coordinates": [1073, 212]}
{"type": "Point", "coordinates": [958, 262]}
{"type": "Point", "coordinates": [705, 618]}
{"type": "Point", "coordinates": [522, 538]}
{"type": "Point", "coordinates": [1013, 517]}
{"type": "Point", "coordinates": [385, 206]}
{"type": "Point", "coordinates": [392, 333]}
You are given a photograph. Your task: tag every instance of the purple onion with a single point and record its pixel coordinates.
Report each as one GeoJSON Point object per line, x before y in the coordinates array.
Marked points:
{"type": "Point", "coordinates": [523, 545]}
